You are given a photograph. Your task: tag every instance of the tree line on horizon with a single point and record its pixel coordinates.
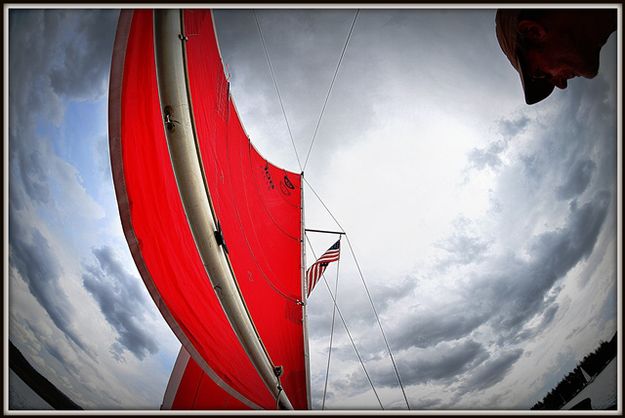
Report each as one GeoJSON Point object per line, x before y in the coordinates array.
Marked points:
{"type": "Point", "coordinates": [575, 381]}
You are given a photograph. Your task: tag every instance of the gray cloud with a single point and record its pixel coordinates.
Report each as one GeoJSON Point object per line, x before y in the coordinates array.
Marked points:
{"type": "Point", "coordinates": [480, 158]}
{"type": "Point", "coordinates": [304, 65]}
{"type": "Point", "coordinates": [464, 249]}
{"type": "Point", "coordinates": [62, 359]}
{"type": "Point", "coordinates": [361, 315]}
{"type": "Point", "coordinates": [490, 372]}
{"type": "Point", "coordinates": [384, 295]}
{"type": "Point", "coordinates": [445, 323]}
{"type": "Point", "coordinates": [33, 175]}
{"type": "Point", "coordinates": [31, 255]}
{"type": "Point", "coordinates": [508, 299]}
{"type": "Point", "coordinates": [520, 292]}
{"type": "Point", "coordinates": [79, 70]}
{"type": "Point", "coordinates": [426, 403]}
{"type": "Point", "coordinates": [55, 54]}
{"type": "Point", "coordinates": [577, 179]}
{"type": "Point", "coordinates": [464, 246]}
{"type": "Point", "coordinates": [442, 363]}
{"type": "Point", "coordinates": [510, 128]}
{"type": "Point", "coordinates": [122, 302]}
{"type": "Point", "coordinates": [547, 317]}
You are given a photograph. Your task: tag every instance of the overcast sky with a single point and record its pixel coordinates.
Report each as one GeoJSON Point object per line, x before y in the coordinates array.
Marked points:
{"type": "Point", "coordinates": [485, 228]}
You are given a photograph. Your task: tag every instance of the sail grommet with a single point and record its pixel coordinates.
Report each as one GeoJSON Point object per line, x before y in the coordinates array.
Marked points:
{"type": "Point", "coordinates": [277, 370]}
{"type": "Point", "coordinates": [182, 37]}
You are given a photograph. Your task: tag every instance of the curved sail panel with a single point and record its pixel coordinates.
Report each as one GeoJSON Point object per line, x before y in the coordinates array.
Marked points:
{"type": "Point", "coordinates": [258, 206]}
{"type": "Point", "coordinates": [154, 220]}
{"type": "Point", "coordinates": [190, 388]}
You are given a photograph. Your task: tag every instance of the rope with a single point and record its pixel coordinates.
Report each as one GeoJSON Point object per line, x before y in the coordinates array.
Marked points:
{"type": "Point", "coordinates": [362, 278]}
{"type": "Point", "coordinates": [349, 35]}
{"type": "Point", "coordinates": [275, 84]}
{"type": "Point", "coordinates": [336, 295]}
{"type": "Point", "coordinates": [347, 330]}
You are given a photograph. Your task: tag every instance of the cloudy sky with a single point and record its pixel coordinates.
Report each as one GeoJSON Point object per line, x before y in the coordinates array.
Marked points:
{"type": "Point", "coordinates": [485, 228]}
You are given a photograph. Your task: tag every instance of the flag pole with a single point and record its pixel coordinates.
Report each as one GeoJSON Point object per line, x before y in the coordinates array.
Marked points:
{"type": "Point", "coordinates": [325, 232]}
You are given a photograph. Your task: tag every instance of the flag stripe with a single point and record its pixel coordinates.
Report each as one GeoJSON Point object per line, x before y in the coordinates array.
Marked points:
{"type": "Point", "coordinates": [314, 272]}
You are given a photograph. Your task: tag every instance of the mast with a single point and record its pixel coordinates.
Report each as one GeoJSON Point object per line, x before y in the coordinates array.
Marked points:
{"type": "Point", "coordinates": [169, 41]}
{"type": "Point", "coordinates": [305, 298]}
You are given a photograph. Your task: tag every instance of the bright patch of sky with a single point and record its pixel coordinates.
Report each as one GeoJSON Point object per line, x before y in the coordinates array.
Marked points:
{"type": "Point", "coordinates": [485, 228]}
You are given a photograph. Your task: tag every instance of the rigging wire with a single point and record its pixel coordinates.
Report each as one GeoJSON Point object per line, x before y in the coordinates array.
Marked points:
{"type": "Point", "coordinates": [351, 339]}
{"type": "Point", "coordinates": [275, 84]}
{"type": "Point", "coordinates": [336, 295]}
{"type": "Point", "coordinates": [349, 35]}
{"type": "Point", "coordinates": [377, 317]}
{"type": "Point", "coordinates": [324, 205]}
{"type": "Point", "coordinates": [362, 278]}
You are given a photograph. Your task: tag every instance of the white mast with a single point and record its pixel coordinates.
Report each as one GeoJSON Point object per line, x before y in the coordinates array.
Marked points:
{"type": "Point", "coordinates": [305, 298]}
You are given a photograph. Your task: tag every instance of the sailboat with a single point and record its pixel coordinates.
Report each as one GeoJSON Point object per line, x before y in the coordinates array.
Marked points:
{"type": "Point", "coordinates": [215, 229]}
{"type": "Point", "coordinates": [587, 377]}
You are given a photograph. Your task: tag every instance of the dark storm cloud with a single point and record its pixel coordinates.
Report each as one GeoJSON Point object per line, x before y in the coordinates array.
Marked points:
{"type": "Point", "coordinates": [441, 363]}
{"type": "Point", "coordinates": [577, 180]}
{"type": "Point", "coordinates": [506, 300]}
{"type": "Point", "coordinates": [520, 292]}
{"type": "Point", "coordinates": [123, 303]}
{"type": "Point", "coordinates": [80, 71]}
{"type": "Point", "coordinates": [528, 333]}
{"type": "Point", "coordinates": [490, 372]}
{"type": "Point", "coordinates": [449, 322]}
{"type": "Point", "coordinates": [31, 255]}
{"type": "Point", "coordinates": [55, 55]}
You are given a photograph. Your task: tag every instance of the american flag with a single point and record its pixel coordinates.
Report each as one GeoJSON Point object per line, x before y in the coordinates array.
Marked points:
{"type": "Point", "coordinates": [315, 271]}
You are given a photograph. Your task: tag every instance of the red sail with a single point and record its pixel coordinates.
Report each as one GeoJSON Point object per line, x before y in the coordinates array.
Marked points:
{"type": "Point", "coordinates": [257, 205]}
{"type": "Point", "coordinates": [190, 388]}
